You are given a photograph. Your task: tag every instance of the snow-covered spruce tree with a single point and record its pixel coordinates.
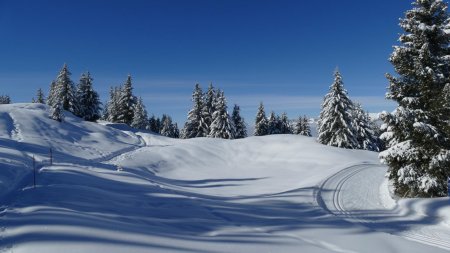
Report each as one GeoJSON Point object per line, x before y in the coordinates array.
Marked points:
{"type": "Point", "coordinates": [298, 125]}
{"type": "Point", "coordinates": [5, 99]}
{"type": "Point", "coordinates": [335, 127]}
{"type": "Point", "coordinates": [306, 131]}
{"type": "Point", "coordinates": [239, 124]}
{"type": "Point", "coordinates": [195, 125]}
{"type": "Point", "coordinates": [89, 105]}
{"type": "Point", "coordinates": [140, 117]}
{"type": "Point", "coordinates": [273, 124]}
{"type": "Point", "coordinates": [285, 127]}
{"type": "Point", "coordinates": [112, 106]}
{"type": "Point", "coordinates": [302, 126]}
{"type": "Point", "coordinates": [153, 124]}
{"type": "Point", "coordinates": [261, 124]}
{"type": "Point", "coordinates": [176, 131]}
{"type": "Point", "coordinates": [209, 101]}
{"type": "Point", "coordinates": [105, 114]}
{"type": "Point", "coordinates": [169, 129]}
{"type": "Point", "coordinates": [222, 125]}
{"type": "Point", "coordinates": [364, 133]}
{"type": "Point", "coordinates": [64, 89]}
{"type": "Point", "coordinates": [158, 124]}
{"type": "Point", "coordinates": [39, 97]}
{"type": "Point", "coordinates": [126, 103]}
{"type": "Point", "coordinates": [417, 132]}
{"type": "Point", "coordinates": [56, 110]}
{"type": "Point", "coordinates": [52, 96]}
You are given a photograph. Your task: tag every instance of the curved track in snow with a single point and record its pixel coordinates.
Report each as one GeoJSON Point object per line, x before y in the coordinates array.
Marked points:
{"type": "Point", "coordinates": [354, 194]}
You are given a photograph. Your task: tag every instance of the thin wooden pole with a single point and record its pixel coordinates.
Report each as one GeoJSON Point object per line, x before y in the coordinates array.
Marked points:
{"type": "Point", "coordinates": [34, 173]}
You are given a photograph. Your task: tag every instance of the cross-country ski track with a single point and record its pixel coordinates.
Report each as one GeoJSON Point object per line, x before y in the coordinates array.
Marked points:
{"type": "Point", "coordinates": [356, 194]}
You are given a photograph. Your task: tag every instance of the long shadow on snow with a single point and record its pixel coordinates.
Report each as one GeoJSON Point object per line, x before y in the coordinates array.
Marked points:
{"type": "Point", "coordinates": [396, 220]}
{"type": "Point", "coordinates": [147, 209]}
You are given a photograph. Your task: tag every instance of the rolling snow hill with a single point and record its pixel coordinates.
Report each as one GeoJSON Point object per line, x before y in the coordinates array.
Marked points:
{"type": "Point", "coordinates": [112, 189]}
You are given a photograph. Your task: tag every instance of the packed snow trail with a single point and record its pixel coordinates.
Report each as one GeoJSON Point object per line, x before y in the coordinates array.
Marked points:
{"type": "Point", "coordinates": [354, 194]}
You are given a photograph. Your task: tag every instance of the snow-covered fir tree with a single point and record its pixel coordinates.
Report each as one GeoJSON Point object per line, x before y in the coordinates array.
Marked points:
{"type": "Point", "coordinates": [5, 99]}
{"type": "Point", "coordinates": [298, 125]}
{"type": "Point", "coordinates": [52, 96]}
{"type": "Point", "coordinates": [335, 126]}
{"type": "Point", "coordinates": [40, 98]}
{"type": "Point", "coordinates": [365, 135]}
{"type": "Point", "coordinates": [222, 125]}
{"type": "Point", "coordinates": [89, 105]}
{"type": "Point", "coordinates": [273, 124]}
{"type": "Point", "coordinates": [140, 117]}
{"type": "Point", "coordinates": [306, 131]}
{"type": "Point", "coordinates": [56, 110]}
{"type": "Point", "coordinates": [302, 126]}
{"type": "Point", "coordinates": [126, 103]}
{"type": "Point", "coordinates": [64, 90]}
{"type": "Point", "coordinates": [112, 111]}
{"type": "Point", "coordinates": [176, 131]}
{"type": "Point", "coordinates": [105, 114]}
{"type": "Point", "coordinates": [285, 127]}
{"type": "Point", "coordinates": [417, 132]}
{"type": "Point", "coordinates": [158, 125]}
{"type": "Point", "coordinates": [261, 124]}
{"type": "Point", "coordinates": [196, 125]}
{"type": "Point", "coordinates": [153, 124]}
{"type": "Point", "coordinates": [240, 130]}
{"type": "Point", "coordinates": [209, 100]}
{"type": "Point", "coordinates": [168, 128]}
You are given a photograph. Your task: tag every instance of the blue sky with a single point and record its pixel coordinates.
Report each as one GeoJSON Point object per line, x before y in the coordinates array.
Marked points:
{"type": "Point", "coordinates": [282, 53]}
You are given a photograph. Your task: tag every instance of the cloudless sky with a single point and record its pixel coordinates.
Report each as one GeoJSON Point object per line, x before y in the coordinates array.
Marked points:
{"type": "Point", "coordinates": [280, 52]}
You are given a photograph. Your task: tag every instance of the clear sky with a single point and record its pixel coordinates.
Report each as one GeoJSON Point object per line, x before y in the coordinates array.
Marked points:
{"type": "Point", "coordinates": [280, 52]}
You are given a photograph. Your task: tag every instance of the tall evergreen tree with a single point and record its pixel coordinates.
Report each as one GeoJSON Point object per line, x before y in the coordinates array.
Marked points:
{"type": "Point", "coordinates": [261, 124]}
{"type": "Point", "coordinates": [273, 125]}
{"type": "Point", "coordinates": [113, 105]}
{"type": "Point", "coordinates": [39, 97]}
{"type": "Point", "coordinates": [52, 95]}
{"type": "Point", "coordinates": [5, 99]}
{"type": "Point", "coordinates": [298, 125]}
{"type": "Point", "coordinates": [239, 124]}
{"type": "Point", "coordinates": [65, 90]}
{"type": "Point", "coordinates": [140, 116]}
{"type": "Point", "coordinates": [306, 130]}
{"type": "Point", "coordinates": [209, 106]}
{"type": "Point", "coordinates": [335, 127]}
{"type": "Point", "coordinates": [89, 105]}
{"type": "Point", "coordinates": [285, 127]}
{"type": "Point", "coordinates": [158, 125]}
{"type": "Point", "coordinates": [153, 124]}
{"type": "Point", "coordinates": [196, 125]}
{"type": "Point", "coordinates": [364, 134]}
{"type": "Point", "coordinates": [417, 132]}
{"type": "Point", "coordinates": [222, 125]}
{"type": "Point", "coordinates": [169, 129]}
{"type": "Point", "coordinates": [127, 101]}
{"type": "Point", "coordinates": [176, 131]}
{"type": "Point", "coordinates": [56, 110]}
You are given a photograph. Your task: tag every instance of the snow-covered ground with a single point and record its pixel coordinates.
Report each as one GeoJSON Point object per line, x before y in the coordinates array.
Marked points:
{"type": "Point", "coordinates": [111, 189]}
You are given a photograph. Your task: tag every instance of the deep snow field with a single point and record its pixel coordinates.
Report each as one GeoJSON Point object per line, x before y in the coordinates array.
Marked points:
{"type": "Point", "coordinates": [112, 189]}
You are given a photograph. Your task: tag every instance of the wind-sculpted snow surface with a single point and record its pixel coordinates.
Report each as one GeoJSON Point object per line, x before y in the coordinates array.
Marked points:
{"type": "Point", "coordinates": [113, 190]}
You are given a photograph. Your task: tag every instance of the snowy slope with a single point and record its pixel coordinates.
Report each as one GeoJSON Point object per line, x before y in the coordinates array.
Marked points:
{"type": "Point", "coordinates": [112, 190]}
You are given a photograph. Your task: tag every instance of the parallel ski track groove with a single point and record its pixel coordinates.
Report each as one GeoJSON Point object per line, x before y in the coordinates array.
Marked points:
{"type": "Point", "coordinates": [337, 208]}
